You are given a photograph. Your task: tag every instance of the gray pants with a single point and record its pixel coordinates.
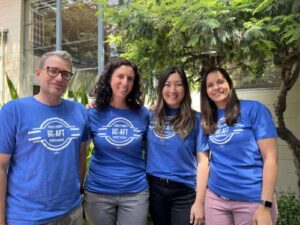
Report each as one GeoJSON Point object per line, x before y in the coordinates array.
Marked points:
{"type": "Point", "coordinates": [74, 217]}
{"type": "Point", "coordinates": [124, 209]}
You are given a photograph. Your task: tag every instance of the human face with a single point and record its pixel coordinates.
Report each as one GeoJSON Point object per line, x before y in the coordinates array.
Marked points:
{"type": "Point", "coordinates": [217, 89]}
{"type": "Point", "coordinates": [52, 86]}
{"type": "Point", "coordinates": [121, 83]}
{"type": "Point", "coordinates": [173, 91]}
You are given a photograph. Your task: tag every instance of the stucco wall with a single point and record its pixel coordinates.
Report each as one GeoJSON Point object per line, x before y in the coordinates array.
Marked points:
{"type": "Point", "coordinates": [10, 18]}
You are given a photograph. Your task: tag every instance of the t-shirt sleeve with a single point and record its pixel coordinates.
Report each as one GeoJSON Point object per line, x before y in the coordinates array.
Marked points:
{"type": "Point", "coordinates": [202, 139]}
{"type": "Point", "coordinates": [7, 129]}
{"type": "Point", "coordinates": [262, 122]}
{"type": "Point", "coordinates": [86, 131]}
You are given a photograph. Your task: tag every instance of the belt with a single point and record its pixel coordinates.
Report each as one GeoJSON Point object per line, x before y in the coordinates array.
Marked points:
{"type": "Point", "coordinates": [222, 197]}
{"type": "Point", "coordinates": [161, 180]}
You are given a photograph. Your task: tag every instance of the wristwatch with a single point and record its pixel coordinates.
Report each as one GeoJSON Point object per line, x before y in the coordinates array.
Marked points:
{"type": "Point", "coordinates": [266, 203]}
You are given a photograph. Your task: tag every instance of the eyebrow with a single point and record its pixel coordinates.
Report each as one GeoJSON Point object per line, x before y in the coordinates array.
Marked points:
{"type": "Point", "coordinates": [53, 67]}
{"type": "Point", "coordinates": [177, 81]}
{"type": "Point", "coordinates": [124, 74]}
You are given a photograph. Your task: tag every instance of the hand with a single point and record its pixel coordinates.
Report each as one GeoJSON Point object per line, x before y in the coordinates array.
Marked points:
{"type": "Point", "coordinates": [91, 105]}
{"type": "Point", "coordinates": [262, 216]}
{"type": "Point", "coordinates": [152, 108]}
{"type": "Point", "coordinates": [197, 214]}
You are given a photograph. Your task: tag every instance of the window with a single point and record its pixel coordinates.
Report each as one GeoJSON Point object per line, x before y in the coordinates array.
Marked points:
{"type": "Point", "coordinates": [79, 37]}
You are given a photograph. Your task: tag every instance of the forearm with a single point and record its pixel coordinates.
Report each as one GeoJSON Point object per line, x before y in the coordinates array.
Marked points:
{"type": "Point", "coordinates": [268, 148]}
{"type": "Point", "coordinates": [202, 177]}
{"type": "Point", "coordinates": [82, 161]}
{"type": "Point", "coordinates": [270, 171]}
{"type": "Point", "coordinates": [3, 186]}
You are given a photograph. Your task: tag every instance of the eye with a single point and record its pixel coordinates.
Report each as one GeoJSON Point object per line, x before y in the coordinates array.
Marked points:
{"type": "Point", "coordinates": [209, 85]}
{"type": "Point", "coordinates": [53, 70]}
{"type": "Point", "coordinates": [220, 81]}
{"type": "Point", "coordinates": [130, 78]}
{"type": "Point", "coordinates": [66, 73]}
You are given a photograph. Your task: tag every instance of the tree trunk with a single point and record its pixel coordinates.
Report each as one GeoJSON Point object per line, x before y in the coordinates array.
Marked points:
{"type": "Point", "coordinates": [290, 70]}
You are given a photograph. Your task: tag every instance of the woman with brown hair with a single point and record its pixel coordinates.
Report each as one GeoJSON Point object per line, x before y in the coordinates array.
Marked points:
{"type": "Point", "coordinates": [242, 139]}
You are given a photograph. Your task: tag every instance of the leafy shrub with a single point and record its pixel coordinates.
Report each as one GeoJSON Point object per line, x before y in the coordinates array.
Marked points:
{"type": "Point", "coordinates": [289, 210]}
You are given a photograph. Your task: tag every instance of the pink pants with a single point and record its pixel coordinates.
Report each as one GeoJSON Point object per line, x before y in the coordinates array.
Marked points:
{"type": "Point", "coordinates": [225, 212]}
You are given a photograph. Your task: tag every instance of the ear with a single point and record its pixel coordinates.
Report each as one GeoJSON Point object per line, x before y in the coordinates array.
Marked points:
{"type": "Point", "coordinates": [38, 72]}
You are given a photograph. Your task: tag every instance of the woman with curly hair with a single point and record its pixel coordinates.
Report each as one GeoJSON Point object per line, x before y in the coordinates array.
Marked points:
{"type": "Point", "coordinates": [116, 189]}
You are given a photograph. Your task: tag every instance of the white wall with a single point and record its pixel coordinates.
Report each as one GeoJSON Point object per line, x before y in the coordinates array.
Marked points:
{"type": "Point", "coordinates": [10, 18]}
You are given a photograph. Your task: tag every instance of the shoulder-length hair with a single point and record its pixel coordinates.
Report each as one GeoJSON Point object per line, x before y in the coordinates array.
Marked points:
{"type": "Point", "coordinates": [183, 122]}
{"type": "Point", "coordinates": [103, 91]}
{"type": "Point", "coordinates": [209, 108]}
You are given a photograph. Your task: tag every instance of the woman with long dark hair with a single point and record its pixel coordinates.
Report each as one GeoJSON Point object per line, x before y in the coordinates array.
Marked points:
{"type": "Point", "coordinates": [173, 146]}
{"type": "Point", "coordinates": [242, 139]}
{"type": "Point", "coordinates": [116, 189]}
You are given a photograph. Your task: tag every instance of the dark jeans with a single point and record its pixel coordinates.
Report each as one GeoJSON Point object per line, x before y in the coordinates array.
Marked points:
{"type": "Point", "coordinates": [170, 202]}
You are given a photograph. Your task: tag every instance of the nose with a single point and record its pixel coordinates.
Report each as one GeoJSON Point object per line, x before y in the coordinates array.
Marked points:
{"type": "Point", "coordinates": [125, 81]}
{"type": "Point", "coordinates": [172, 88]}
{"type": "Point", "coordinates": [215, 86]}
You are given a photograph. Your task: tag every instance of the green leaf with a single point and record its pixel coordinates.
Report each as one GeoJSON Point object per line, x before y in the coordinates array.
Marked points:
{"type": "Point", "coordinates": [83, 96]}
{"type": "Point", "coordinates": [253, 32]}
{"type": "Point", "coordinates": [75, 95]}
{"type": "Point", "coordinates": [292, 35]}
{"type": "Point", "coordinates": [262, 6]}
{"type": "Point", "coordinates": [211, 23]}
{"type": "Point", "coordinates": [12, 89]}
{"type": "Point", "coordinates": [273, 28]}
{"type": "Point", "coordinates": [193, 41]}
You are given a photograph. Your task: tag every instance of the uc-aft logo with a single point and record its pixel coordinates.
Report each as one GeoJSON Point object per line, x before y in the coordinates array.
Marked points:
{"type": "Point", "coordinates": [224, 133]}
{"type": "Point", "coordinates": [167, 132]}
{"type": "Point", "coordinates": [119, 132]}
{"type": "Point", "coordinates": [54, 134]}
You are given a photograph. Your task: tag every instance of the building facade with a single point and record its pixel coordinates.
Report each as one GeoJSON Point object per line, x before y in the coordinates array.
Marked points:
{"type": "Point", "coordinates": [29, 30]}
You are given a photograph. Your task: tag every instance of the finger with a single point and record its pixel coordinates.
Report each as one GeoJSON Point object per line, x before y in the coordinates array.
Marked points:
{"type": "Point", "coordinates": [198, 221]}
{"type": "Point", "coordinates": [191, 217]}
{"type": "Point", "coordinates": [254, 221]}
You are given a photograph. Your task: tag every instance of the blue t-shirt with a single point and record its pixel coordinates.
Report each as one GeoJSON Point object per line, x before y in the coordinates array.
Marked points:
{"type": "Point", "coordinates": [117, 165]}
{"type": "Point", "coordinates": [236, 162]}
{"type": "Point", "coordinates": [44, 144]}
{"type": "Point", "coordinates": [171, 157]}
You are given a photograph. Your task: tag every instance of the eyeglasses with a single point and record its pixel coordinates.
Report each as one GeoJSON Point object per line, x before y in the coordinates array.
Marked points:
{"type": "Point", "coordinates": [53, 72]}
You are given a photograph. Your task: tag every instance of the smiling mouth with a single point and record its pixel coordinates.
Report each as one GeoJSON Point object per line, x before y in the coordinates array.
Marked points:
{"type": "Point", "coordinates": [218, 93]}
{"type": "Point", "coordinates": [58, 86]}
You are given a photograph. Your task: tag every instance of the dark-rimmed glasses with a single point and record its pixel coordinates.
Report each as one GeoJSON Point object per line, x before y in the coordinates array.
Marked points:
{"type": "Point", "coordinates": [53, 72]}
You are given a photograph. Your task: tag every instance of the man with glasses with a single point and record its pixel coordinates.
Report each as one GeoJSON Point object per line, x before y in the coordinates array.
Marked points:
{"type": "Point", "coordinates": [42, 151]}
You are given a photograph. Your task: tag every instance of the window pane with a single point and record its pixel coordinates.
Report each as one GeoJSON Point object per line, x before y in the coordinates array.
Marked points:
{"type": "Point", "coordinates": [79, 36]}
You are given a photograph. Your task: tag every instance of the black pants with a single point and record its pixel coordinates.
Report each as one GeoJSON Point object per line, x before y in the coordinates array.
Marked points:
{"type": "Point", "coordinates": [170, 202]}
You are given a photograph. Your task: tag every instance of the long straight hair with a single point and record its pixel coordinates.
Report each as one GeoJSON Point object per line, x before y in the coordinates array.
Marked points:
{"type": "Point", "coordinates": [209, 108]}
{"type": "Point", "coordinates": [183, 122]}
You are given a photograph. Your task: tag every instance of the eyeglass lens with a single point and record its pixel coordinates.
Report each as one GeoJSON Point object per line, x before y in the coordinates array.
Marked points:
{"type": "Point", "coordinates": [54, 72]}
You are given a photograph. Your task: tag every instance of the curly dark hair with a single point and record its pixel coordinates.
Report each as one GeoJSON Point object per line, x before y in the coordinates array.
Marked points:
{"type": "Point", "coordinates": [103, 91]}
{"type": "Point", "coordinates": [209, 108]}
